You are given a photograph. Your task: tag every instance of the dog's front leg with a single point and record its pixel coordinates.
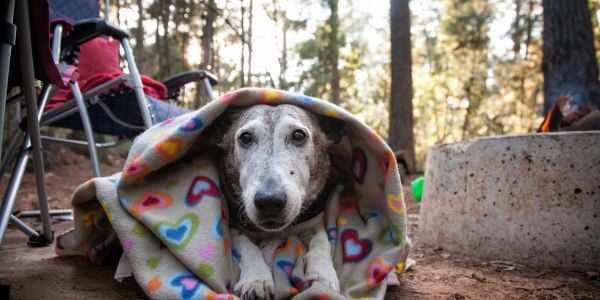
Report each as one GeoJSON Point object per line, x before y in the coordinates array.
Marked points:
{"type": "Point", "coordinates": [256, 279]}
{"type": "Point", "coordinates": [319, 262]}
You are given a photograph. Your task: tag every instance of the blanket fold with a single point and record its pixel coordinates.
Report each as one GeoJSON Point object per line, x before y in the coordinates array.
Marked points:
{"type": "Point", "coordinates": [167, 212]}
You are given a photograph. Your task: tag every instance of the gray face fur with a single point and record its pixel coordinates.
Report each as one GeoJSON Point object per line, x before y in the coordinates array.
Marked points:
{"type": "Point", "coordinates": [275, 162]}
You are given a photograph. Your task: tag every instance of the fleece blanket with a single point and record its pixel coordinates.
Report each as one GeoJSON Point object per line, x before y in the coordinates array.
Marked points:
{"type": "Point", "coordinates": [166, 211]}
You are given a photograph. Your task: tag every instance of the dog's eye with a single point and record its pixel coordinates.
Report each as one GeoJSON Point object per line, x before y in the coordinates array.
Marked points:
{"type": "Point", "coordinates": [298, 137]}
{"type": "Point", "coordinates": [245, 138]}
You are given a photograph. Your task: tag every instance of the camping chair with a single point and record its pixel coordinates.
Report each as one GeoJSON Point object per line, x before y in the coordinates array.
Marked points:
{"type": "Point", "coordinates": [115, 105]}
{"type": "Point", "coordinates": [20, 69]}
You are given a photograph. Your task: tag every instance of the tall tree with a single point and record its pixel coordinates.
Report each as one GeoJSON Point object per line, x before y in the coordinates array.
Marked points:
{"type": "Point", "coordinates": [401, 110]}
{"type": "Point", "coordinates": [322, 52]}
{"type": "Point", "coordinates": [285, 25]}
{"type": "Point", "coordinates": [334, 50]}
{"type": "Point", "coordinates": [139, 32]}
{"type": "Point", "coordinates": [166, 17]}
{"type": "Point", "coordinates": [595, 12]}
{"type": "Point", "coordinates": [569, 64]}
{"type": "Point", "coordinates": [207, 45]}
{"type": "Point", "coordinates": [242, 56]}
{"type": "Point", "coordinates": [209, 16]}
{"type": "Point", "coordinates": [249, 42]}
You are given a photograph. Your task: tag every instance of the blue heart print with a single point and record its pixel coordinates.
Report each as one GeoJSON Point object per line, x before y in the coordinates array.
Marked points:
{"type": "Point", "coordinates": [189, 283]}
{"type": "Point", "coordinates": [177, 234]}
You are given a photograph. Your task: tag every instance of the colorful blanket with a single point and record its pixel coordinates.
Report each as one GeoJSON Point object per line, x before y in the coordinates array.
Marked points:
{"type": "Point", "coordinates": [167, 213]}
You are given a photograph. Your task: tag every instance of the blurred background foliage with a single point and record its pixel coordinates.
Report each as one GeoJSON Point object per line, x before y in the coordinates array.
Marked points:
{"type": "Point", "coordinates": [476, 65]}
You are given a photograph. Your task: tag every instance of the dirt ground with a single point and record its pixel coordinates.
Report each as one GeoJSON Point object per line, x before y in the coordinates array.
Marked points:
{"type": "Point", "coordinates": [36, 273]}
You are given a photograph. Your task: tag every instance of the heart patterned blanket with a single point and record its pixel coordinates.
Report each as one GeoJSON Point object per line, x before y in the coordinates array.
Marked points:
{"type": "Point", "coordinates": [167, 213]}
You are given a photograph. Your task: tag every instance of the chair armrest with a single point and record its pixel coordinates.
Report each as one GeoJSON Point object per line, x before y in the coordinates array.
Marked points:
{"type": "Point", "coordinates": [179, 80]}
{"type": "Point", "coordinates": [88, 29]}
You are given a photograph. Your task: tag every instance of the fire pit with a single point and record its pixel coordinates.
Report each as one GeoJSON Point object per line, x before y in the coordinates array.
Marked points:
{"type": "Point", "coordinates": [532, 199]}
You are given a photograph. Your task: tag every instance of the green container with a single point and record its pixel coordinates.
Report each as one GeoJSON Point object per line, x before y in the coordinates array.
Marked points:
{"type": "Point", "coordinates": [417, 188]}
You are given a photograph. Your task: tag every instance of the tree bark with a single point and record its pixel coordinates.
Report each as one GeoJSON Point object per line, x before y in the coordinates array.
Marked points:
{"type": "Point", "coordinates": [207, 37]}
{"type": "Point", "coordinates": [118, 3]}
{"type": "Point", "coordinates": [401, 111]}
{"type": "Point", "coordinates": [206, 43]}
{"type": "Point", "coordinates": [280, 17]}
{"type": "Point", "coordinates": [166, 16]}
{"type": "Point", "coordinates": [250, 19]}
{"type": "Point", "coordinates": [139, 34]}
{"type": "Point", "coordinates": [242, 77]}
{"type": "Point", "coordinates": [569, 63]}
{"type": "Point", "coordinates": [284, 60]}
{"type": "Point", "coordinates": [334, 82]}
{"type": "Point", "coordinates": [158, 45]}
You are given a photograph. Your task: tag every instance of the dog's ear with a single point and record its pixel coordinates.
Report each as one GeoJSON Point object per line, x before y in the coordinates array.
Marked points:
{"type": "Point", "coordinates": [220, 126]}
{"type": "Point", "coordinates": [333, 129]}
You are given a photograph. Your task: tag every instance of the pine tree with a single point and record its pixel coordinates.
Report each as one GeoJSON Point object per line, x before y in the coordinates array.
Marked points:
{"type": "Point", "coordinates": [400, 135]}
{"type": "Point", "coordinates": [570, 66]}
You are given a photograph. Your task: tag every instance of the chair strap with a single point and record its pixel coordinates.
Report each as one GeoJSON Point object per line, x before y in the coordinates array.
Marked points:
{"type": "Point", "coordinates": [8, 33]}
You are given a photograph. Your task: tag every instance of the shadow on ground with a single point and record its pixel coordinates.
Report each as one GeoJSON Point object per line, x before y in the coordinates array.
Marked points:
{"type": "Point", "coordinates": [36, 273]}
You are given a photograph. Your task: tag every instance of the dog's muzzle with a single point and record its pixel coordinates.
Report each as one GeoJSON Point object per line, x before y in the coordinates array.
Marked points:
{"type": "Point", "coordinates": [270, 203]}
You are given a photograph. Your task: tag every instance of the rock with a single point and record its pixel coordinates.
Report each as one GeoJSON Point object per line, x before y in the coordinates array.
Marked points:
{"type": "Point", "coordinates": [592, 275]}
{"type": "Point", "coordinates": [479, 277]}
{"type": "Point", "coordinates": [532, 199]}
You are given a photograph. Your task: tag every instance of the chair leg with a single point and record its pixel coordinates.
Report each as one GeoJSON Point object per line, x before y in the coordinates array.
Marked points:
{"type": "Point", "coordinates": [11, 151]}
{"type": "Point", "coordinates": [87, 128]}
{"type": "Point", "coordinates": [136, 81]}
{"type": "Point", "coordinates": [8, 8]}
{"type": "Point", "coordinates": [11, 192]}
{"type": "Point", "coordinates": [24, 227]}
{"type": "Point", "coordinates": [24, 43]}
{"type": "Point", "coordinates": [21, 139]}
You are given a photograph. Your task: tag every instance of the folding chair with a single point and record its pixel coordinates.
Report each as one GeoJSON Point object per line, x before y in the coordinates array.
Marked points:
{"type": "Point", "coordinates": [20, 69]}
{"type": "Point", "coordinates": [114, 106]}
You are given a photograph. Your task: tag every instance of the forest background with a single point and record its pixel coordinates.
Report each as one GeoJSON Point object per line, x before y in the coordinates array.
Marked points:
{"type": "Point", "coordinates": [476, 65]}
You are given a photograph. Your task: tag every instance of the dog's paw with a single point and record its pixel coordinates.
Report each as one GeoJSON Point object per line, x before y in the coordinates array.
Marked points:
{"type": "Point", "coordinates": [325, 274]}
{"type": "Point", "coordinates": [255, 288]}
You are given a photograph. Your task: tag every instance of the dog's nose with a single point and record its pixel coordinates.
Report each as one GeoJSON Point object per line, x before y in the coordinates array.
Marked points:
{"type": "Point", "coordinates": [270, 201]}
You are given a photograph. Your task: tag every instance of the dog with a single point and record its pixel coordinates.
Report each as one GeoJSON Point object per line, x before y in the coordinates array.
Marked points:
{"type": "Point", "coordinates": [274, 169]}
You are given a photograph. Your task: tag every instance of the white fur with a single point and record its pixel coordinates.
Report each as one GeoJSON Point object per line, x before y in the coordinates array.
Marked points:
{"type": "Point", "coordinates": [256, 276]}
{"type": "Point", "coordinates": [273, 157]}
{"type": "Point", "coordinates": [256, 280]}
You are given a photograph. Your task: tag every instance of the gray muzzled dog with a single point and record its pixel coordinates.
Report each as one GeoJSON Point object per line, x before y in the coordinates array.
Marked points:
{"type": "Point", "coordinates": [274, 170]}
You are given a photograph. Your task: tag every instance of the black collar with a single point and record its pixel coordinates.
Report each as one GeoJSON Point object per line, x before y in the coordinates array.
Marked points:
{"type": "Point", "coordinates": [315, 208]}
{"type": "Point", "coordinates": [318, 205]}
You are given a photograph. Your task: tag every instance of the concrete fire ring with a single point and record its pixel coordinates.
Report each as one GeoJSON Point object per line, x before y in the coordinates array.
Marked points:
{"type": "Point", "coordinates": [531, 199]}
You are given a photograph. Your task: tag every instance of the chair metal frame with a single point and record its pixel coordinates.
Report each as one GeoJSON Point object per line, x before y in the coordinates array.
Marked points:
{"type": "Point", "coordinates": [79, 103]}
{"type": "Point", "coordinates": [32, 140]}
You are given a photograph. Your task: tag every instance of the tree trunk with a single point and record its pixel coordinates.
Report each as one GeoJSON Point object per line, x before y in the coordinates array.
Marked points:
{"type": "Point", "coordinates": [139, 35]}
{"type": "Point", "coordinates": [517, 30]}
{"type": "Point", "coordinates": [250, 19]}
{"type": "Point", "coordinates": [118, 3]}
{"type": "Point", "coordinates": [284, 60]}
{"type": "Point", "coordinates": [569, 64]}
{"type": "Point", "coordinates": [285, 26]}
{"type": "Point", "coordinates": [401, 111]}
{"type": "Point", "coordinates": [207, 38]}
{"type": "Point", "coordinates": [158, 45]}
{"type": "Point", "coordinates": [166, 14]}
{"type": "Point", "coordinates": [242, 77]}
{"type": "Point", "coordinates": [206, 43]}
{"type": "Point", "coordinates": [334, 93]}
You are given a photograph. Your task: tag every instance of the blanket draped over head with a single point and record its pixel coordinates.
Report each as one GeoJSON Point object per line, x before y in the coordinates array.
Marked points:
{"type": "Point", "coordinates": [167, 212]}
